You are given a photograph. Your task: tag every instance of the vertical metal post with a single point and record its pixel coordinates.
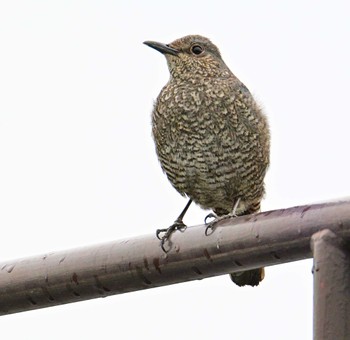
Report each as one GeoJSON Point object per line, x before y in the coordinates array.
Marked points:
{"type": "Point", "coordinates": [331, 286]}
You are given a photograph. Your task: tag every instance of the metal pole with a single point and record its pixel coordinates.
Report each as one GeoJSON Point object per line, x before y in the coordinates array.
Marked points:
{"type": "Point", "coordinates": [117, 267]}
{"type": "Point", "coordinates": [331, 286]}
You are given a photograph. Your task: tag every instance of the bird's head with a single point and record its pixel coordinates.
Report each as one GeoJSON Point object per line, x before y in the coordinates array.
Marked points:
{"type": "Point", "coordinates": [192, 56]}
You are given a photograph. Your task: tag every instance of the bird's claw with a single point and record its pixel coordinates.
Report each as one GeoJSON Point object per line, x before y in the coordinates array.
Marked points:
{"type": "Point", "coordinates": [211, 215]}
{"type": "Point", "coordinates": [159, 231]}
{"type": "Point", "coordinates": [178, 225]}
{"type": "Point", "coordinates": [210, 226]}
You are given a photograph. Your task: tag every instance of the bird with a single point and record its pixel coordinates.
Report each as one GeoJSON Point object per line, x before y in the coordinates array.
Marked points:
{"type": "Point", "coordinates": [211, 137]}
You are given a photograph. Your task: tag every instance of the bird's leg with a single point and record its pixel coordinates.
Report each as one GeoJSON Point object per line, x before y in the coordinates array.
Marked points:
{"type": "Point", "coordinates": [210, 225]}
{"type": "Point", "coordinates": [235, 207]}
{"type": "Point", "coordinates": [177, 225]}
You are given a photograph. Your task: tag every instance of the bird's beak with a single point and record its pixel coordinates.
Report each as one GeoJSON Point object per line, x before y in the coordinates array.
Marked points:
{"type": "Point", "coordinates": [162, 48]}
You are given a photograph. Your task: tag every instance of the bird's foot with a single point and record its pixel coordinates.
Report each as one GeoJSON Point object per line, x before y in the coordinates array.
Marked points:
{"type": "Point", "coordinates": [210, 226]}
{"type": "Point", "coordinates": [211, 215]}
{"type": "Point", "coordinates": [164, 234]}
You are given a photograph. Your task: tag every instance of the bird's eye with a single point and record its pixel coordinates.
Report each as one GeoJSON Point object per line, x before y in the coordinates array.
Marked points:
{"type": "Point", "coordinates": [196, 49]}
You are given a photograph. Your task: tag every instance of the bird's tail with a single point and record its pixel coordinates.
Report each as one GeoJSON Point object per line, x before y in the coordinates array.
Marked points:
{"type": "Point", "coordinates": [248, 278]}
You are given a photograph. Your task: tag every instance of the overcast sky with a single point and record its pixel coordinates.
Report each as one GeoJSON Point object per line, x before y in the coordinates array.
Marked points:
{"type": "Point", "coordinates": [78, 166]}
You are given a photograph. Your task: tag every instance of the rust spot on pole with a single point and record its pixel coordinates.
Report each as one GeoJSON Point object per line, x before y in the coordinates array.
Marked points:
{"type": "Point", "coordinates": [99, 284]}
{"type": "Point", "coordinates": [196, 270]}
{"type": "Point", "coordinates": [156, 265]}
{"type": "Point", "coordinates": [304, 211]}
{"type": "Point", "coordinates": [145, 263]}
{"type": "Point", "coordinates": [75, 278]}
{"type": "Point", "coordinates": [207, 255]}
{"type": "Point", "coordinates": [275, 255]}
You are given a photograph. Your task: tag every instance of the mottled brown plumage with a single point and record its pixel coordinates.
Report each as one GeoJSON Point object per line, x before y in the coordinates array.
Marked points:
{"type": "Point", "coordinates": [211, 137]}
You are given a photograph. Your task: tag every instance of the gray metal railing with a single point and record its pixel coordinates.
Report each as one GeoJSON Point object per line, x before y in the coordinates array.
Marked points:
{"type": "Point", "coordinates": [321, 231]}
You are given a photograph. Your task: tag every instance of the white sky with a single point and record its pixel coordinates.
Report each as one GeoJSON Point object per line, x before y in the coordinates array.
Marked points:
{"type": "Point", "coordinates": [78, 166]}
